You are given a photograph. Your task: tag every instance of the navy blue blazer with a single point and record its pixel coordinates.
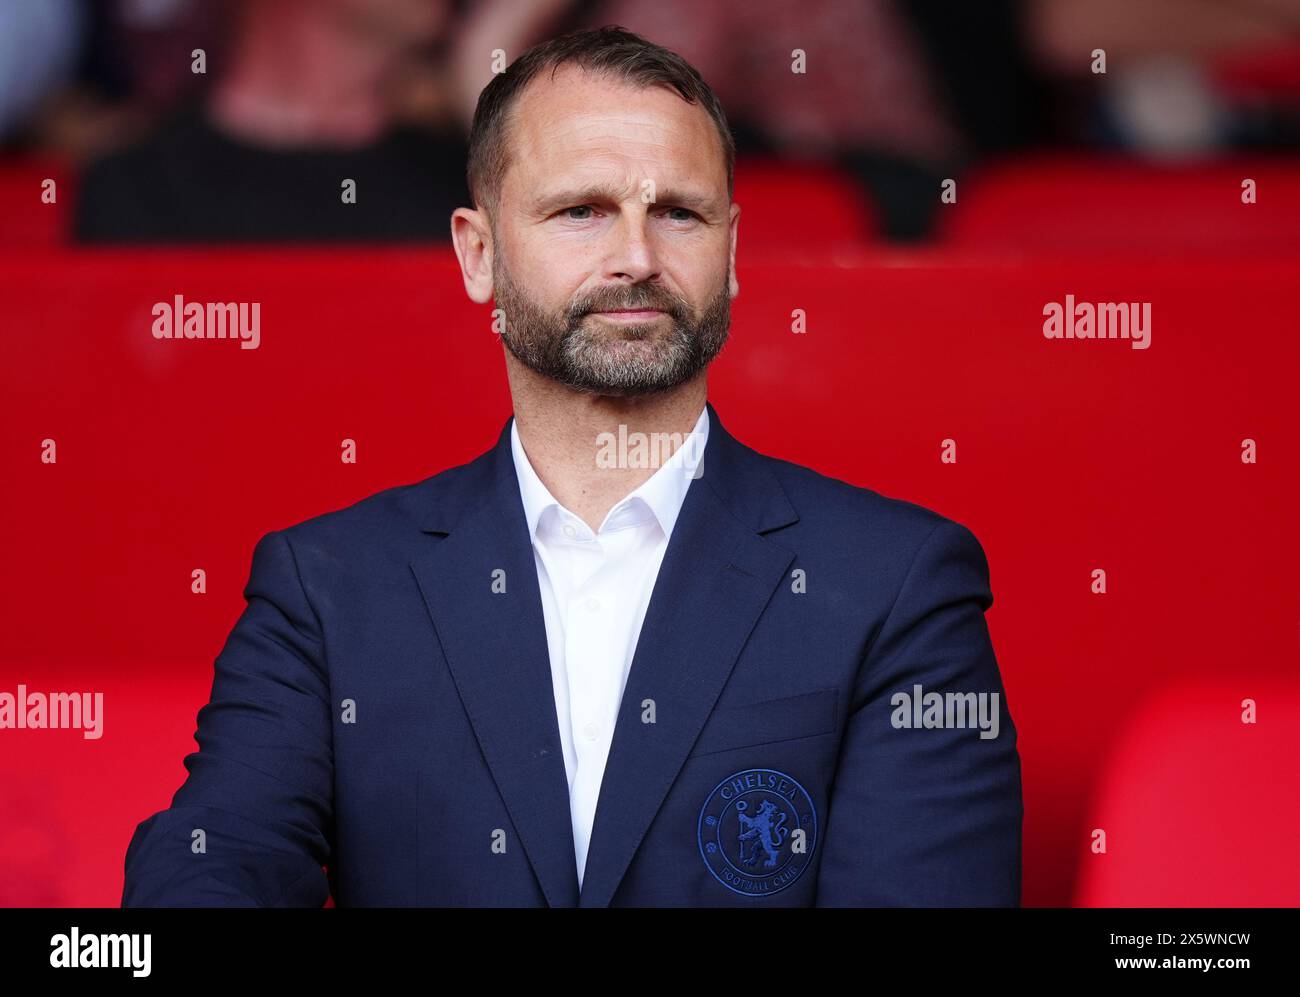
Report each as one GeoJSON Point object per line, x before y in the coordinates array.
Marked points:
{"type": "Point", "coordinates": [382, 723]}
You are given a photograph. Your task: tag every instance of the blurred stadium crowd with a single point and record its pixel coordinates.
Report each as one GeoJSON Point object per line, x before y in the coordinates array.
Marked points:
{"type": "Point", "coordinates": [212, 121]}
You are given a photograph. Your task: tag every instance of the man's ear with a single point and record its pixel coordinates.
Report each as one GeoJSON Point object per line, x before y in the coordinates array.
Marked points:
{"type": "Point", "coordinates": [731, 265]}
{"type": "Point", "coordinates": [472, 238]}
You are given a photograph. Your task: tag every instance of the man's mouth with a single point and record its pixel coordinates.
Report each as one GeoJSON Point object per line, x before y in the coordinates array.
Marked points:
{"type": "Point", "coordinates": [630, 314]}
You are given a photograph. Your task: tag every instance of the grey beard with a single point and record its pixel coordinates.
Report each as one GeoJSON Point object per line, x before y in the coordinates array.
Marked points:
{"type": "Point", "coordinates": [564, 349]}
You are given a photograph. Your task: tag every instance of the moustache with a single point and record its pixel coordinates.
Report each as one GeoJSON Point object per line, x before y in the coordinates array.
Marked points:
{"type": "Point", "coordinates": [641, 301]}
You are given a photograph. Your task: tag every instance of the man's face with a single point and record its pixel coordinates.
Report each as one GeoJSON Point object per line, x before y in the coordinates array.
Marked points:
{"type": "Point", "coordinates": [614, 238]}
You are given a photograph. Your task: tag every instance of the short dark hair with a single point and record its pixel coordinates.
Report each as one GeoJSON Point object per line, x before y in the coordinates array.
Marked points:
{"type": "Point", "coordinates": [611, 50]}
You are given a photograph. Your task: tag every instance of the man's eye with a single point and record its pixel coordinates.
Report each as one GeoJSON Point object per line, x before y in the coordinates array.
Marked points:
{"type": "Point", "coordinates": [684, 214]}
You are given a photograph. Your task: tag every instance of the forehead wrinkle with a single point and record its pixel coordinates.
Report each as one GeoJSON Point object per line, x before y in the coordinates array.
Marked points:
{"type": "Point", "coordinates": [587, 125]}
{"type": "Point", "coordinates": [578, 122]}
{"type": "Point", "coordinates": [582, 191]}
{"type": "Point", "coordinates": [615, 175]}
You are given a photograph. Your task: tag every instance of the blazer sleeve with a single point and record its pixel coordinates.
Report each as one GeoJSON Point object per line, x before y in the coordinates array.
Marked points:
{"type": "Point", "coordinates": [260, 787]}
{"type": "Point", "coordinates": [927, 817]}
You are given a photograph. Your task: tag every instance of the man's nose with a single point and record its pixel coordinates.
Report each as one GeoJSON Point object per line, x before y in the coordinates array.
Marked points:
{"type": "Point", "coordinates": [632, 252]}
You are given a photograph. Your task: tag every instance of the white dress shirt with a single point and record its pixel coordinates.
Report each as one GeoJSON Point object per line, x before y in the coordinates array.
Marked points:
{"type": "Point", "coordinates": [595, 589]}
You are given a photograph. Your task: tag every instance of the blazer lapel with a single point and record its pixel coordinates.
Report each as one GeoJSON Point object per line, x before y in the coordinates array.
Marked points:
{"type": "Point", "coordinates": [717, 576]}
{"type": "Point", "coordinates": [495, 646]}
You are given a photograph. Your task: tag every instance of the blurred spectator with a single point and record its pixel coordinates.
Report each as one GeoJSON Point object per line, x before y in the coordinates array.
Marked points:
{"type": "Point", "coordinates": [1176, 83]}
{"type": "Point", "coordinates": [133, 65]}
{"type": "Point", "coordinates": [309, 94]}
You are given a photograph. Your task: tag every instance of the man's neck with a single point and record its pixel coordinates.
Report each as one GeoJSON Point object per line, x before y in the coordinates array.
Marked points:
{"type": "Point", "coordinates": [560, 430]}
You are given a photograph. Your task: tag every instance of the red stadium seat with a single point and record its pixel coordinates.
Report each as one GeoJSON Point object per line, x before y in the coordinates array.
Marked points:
{"type": "Point", "coordinates": [1199, 808]}
{"type": "Point", "coordinates": [801, 207]}
{"type": "Point", "coordinates": [1069, 205]}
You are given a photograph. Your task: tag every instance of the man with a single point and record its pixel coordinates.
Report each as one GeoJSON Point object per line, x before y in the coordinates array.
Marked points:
{"type": "Point", "coordinates": [558, 676]}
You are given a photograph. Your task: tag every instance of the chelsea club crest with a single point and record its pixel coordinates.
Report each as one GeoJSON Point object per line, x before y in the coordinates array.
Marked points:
{"type": "Point", "coordinates": [757, 831]}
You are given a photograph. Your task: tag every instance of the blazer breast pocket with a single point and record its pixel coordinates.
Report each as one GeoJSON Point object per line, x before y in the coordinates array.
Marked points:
{"type": "Point", "coordinates": [771, 720]}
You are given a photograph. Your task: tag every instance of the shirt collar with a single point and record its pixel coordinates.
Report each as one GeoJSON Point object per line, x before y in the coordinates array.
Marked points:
{"type": "Point", "coordinates": [662, 493]}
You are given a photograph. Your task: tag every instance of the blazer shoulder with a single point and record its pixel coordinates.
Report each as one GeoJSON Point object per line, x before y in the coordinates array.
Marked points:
{"type": "Point", "coordinates": [398, 511]}
{"type": "Point", "coordinates": [840, 521]}
{"type": "Point", "coordinates": [837, 504]}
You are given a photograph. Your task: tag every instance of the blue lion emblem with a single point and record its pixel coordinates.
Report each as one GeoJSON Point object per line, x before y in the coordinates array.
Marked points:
{"type": "Point", "coordinates": [766, 830]}
{"type": "Point", "coordinates": [757, 831]}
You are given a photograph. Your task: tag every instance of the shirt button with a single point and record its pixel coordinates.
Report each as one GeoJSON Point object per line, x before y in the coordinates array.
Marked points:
{"type": "Point", "coordinates": [593, 604]}
{"type": "Point", "coordinates": [569, 531]}
{"type": "Point", "coordinates": [590, 732]}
